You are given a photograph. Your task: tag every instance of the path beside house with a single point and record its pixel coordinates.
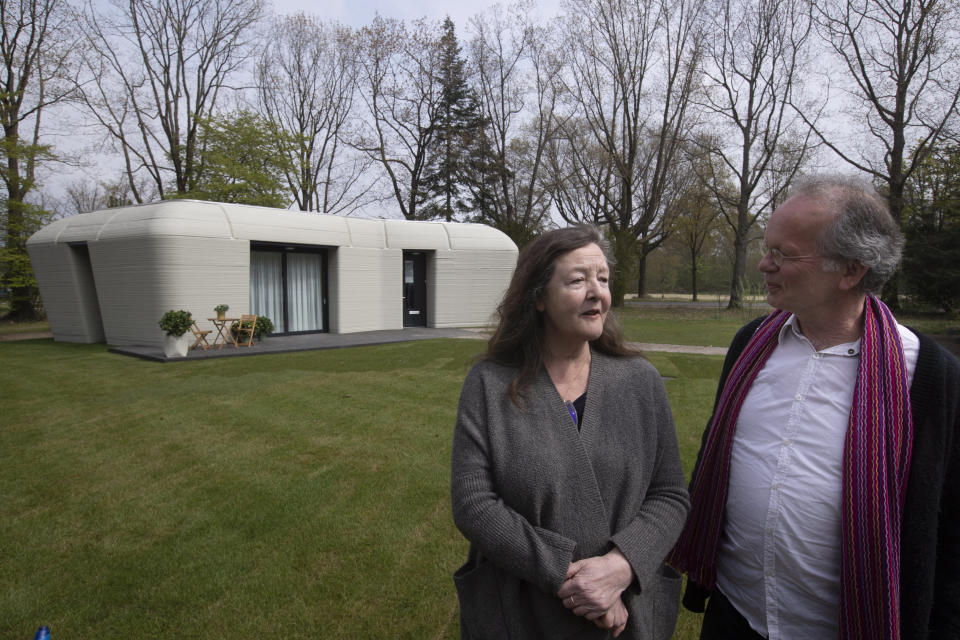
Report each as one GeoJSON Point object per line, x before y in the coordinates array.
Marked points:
{"type": "Point", "coordinates": [34, 335]}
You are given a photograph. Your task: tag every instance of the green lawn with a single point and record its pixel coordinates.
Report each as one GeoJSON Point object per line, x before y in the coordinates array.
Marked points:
{"type": "Point", "coordinates": [708, 327]}
{"type": "Point", "coordinates": [303, 494]}
{"type": "Point", "coordinates": [240, 497]}
{"type": "Point", "coordinates": [24, 327]}
{"type": "Point", "coordinates": [715, 326]}
{"type": "Point", "coordinates": [229, 498]}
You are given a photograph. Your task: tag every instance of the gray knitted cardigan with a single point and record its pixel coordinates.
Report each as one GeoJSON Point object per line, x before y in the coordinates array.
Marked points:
{"type": "Point", "coordinates": [532, 493]}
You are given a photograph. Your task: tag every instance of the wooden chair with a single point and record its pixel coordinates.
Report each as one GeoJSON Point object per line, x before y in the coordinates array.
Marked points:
{"type": "Point", "coordinates": [200, 337]}
{"type": "Point", "coordinates": [245, 330]}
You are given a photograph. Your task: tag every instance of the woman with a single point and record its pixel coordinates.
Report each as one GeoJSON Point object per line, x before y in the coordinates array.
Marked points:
{"type": "Point", "coordinates": [565, 477]}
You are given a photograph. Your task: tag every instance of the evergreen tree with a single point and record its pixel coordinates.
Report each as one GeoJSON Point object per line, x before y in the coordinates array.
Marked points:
{"type": "Point", "coordinates": [484, 174]}
{"type": "Point", "coordinates": [452, 166]}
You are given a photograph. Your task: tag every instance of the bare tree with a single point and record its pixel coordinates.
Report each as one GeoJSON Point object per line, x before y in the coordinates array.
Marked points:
{"type": "Point", "coordinates": [632, 74]}
{"type": "Point", "coordinates": [36, 49]}
{"type": "Point", "coordinates": [697, 218]}
{"type": "Point", "coordinates": [154, 71]}
{"type": "Point", "coordinates": [752, 71]}
{"type": "Point", "coordinates": [902, 64]}
{"type": "Point", "coordinates": [399, 72]}
{"type": "Point", "coordinates": [580, 175]}
{"type": "Point", "coordinates": [84, 195]}
{"type": "Point", "coordinates": [517, 79]}
{"type": "Point", "coordinates": [307, 78]}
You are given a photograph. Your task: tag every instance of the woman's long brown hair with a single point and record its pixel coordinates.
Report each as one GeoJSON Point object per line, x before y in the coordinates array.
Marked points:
{"type": "Point", "coordinates": [519, 338]}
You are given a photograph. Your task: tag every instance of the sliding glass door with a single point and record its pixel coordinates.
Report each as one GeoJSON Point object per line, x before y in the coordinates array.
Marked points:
{"type": "Point", "coordinates": [288, 285]}
{"type": "Point", "coordinates": [266, 286]}
{"type": "Point", "coordinates": [305, 292]}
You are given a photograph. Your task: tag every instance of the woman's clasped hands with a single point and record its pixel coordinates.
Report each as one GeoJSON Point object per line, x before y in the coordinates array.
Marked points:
{"type": "Point", "coordinates": [592, 588]}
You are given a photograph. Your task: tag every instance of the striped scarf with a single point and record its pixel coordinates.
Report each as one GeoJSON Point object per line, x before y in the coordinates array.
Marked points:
{"type": "Point", "coordinates": [876, 461]}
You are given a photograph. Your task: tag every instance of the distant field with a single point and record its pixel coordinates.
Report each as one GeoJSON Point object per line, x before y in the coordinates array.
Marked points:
{"type": "Point", "coordinates": [715, 325]}
{"type": "Point", "coordinates": [716, 298]}
{"type": "Point", "coordinates": [704, 326]}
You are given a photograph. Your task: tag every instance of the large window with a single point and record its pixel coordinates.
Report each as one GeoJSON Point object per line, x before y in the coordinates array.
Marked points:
{"type": "Point", "coordinates": [266, 286]}
{"type": "Point", "coordinates": [305, 292]}
{"type": "Point", "coordinates": [288, 285]}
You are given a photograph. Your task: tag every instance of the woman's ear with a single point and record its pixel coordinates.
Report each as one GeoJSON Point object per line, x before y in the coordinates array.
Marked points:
{"type": "Point", "coordinates": [539, 295]}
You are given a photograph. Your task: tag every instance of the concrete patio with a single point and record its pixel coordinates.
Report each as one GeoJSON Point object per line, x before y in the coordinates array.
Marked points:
{"type": "Point", "coordinates": [304, 342]}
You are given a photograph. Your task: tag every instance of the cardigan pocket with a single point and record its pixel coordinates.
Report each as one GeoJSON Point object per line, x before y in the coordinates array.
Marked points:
{"type": "Point", "coordinates": [481, 616]}
{"type": "Point", "coordinates": [666, 602]}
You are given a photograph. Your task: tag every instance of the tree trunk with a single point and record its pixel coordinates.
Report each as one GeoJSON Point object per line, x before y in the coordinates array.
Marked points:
{"type": "Point", "coordinates": [739, 269]}
{"type": "Point", "coordinates": [624, 254]}
{"type": "Point", "coordinates": [891, 290]}
{"type": "Point", "coordinates": [693, 272]}
{"type": "Point", "coordinates": [642, 274]}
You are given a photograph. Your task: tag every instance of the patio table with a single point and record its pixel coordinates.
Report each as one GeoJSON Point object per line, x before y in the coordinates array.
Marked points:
{"type": "Point", "coordinates": [223, 331]}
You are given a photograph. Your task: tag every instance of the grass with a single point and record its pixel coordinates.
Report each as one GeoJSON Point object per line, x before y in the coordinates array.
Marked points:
{"type": "Point", "coordinates": [706, 327]}
{"type": "Point", "coordinates": [691, 385]}
{"type": "Point", "coordinates": [23, 327]}
{"type": "Point", "coordinates": [235, 498]}
{"type": "Point", "coordinates": [303, 494]}
{"type": "Point", "coordinates": [715, 326]}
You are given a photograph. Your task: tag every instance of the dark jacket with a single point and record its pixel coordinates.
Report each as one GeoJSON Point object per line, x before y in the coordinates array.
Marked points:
{"type": "Point", "coordinates": [930, 542]}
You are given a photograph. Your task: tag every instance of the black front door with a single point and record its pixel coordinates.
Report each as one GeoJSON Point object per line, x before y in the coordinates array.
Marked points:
{"type": "Point", "coordinates": [414, 289]}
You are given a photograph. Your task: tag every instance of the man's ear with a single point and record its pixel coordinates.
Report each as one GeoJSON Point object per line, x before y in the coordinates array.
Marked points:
{"type": "Point", "coordinates": [853, 273]}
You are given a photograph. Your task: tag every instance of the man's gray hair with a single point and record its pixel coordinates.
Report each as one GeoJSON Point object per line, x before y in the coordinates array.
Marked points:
{"type": "Point", "coordinates": [862, 229]}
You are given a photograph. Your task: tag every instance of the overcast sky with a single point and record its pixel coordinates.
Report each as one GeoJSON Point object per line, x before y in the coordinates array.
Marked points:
{"type": "Point", "coordinates": [358, 13]}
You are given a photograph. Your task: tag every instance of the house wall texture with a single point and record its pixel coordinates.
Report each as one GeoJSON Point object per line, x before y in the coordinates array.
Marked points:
{"type": "Point", "coordinates": [70, 293]}
{"type": "Point", "coordinates": [182, 254]}
{"type": "Point", "coordinates": [138, 279]}
{"type": "Point", "coordinates": [370, 297]}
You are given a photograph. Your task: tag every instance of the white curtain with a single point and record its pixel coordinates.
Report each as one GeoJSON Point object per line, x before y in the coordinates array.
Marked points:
{"type": "Point", "coordinates": [305, 291]}
{"type": "Point", "coordinates": [266, 286]}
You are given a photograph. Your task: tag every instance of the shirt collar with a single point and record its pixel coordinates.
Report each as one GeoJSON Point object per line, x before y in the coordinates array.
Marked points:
{"type": "Point", "coordinates": [791, 331]}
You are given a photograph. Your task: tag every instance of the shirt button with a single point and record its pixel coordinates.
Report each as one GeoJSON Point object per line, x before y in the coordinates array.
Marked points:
{"type": "Point", "coordinates": [850, 352]}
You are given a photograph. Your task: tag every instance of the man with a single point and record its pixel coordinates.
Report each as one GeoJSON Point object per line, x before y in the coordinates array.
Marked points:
{"type": "Point", "coordinates": [826, 497]}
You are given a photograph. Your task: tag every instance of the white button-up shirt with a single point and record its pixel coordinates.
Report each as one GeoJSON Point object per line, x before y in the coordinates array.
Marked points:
{"type": "Point", "coordinates": [779, 556]}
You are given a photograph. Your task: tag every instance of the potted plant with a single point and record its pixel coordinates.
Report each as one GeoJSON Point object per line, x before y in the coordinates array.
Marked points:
{"type": "Point", "coordinates": [221, 310]}
{"type": "Point", "coordinates": [175, 325]}
{"type": "Point", "coordinates": [262, 328]}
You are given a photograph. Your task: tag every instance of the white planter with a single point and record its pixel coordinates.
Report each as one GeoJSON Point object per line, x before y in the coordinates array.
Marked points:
{"type": "Point", "coordinates": [177, 346]}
